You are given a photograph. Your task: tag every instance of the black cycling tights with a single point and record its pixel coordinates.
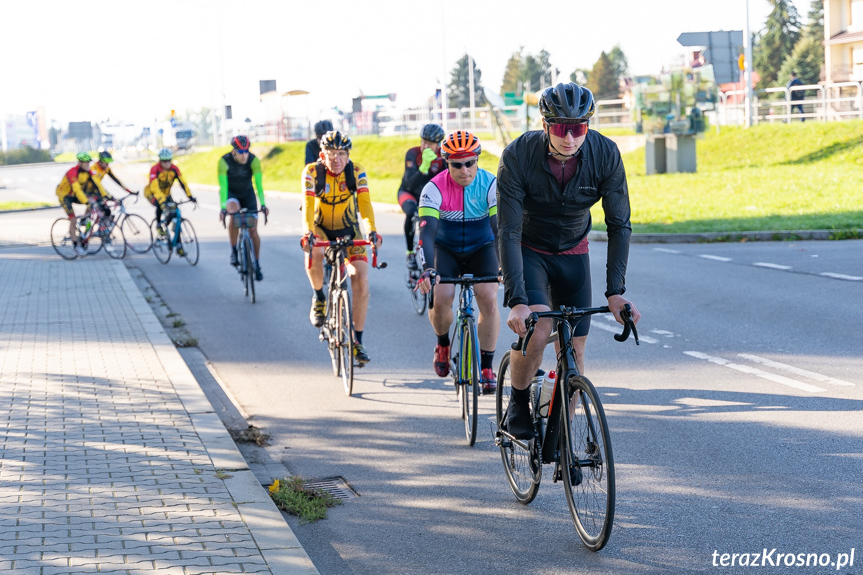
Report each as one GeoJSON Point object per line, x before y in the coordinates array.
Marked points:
{"type": "Point", "coordinates": [410, 208]}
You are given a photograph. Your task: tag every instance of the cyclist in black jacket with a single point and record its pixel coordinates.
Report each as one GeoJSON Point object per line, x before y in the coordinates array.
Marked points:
{"type": "Point", "coordinates": [547, 182]}
{"type": "Point", "coordinates": [313, 147]}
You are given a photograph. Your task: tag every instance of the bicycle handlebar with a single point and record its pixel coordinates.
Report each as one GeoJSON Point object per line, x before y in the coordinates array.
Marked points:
{"type": "Point", "coordinates": [225, 219]}
{"type": "Point", "coordinates": [344, 243]}
{"type": "Point", "coordinates": [567, 313]}
{"type": "Point", "coordinates": [463, 281]}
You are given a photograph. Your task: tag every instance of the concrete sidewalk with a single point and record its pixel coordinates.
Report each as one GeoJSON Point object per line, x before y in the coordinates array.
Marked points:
{"type": "Point", "coordinates": [113, 460]}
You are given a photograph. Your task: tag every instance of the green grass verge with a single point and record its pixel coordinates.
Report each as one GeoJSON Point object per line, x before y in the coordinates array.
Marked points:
{"type": "Point", "coordinates": [308, 504]}
{"type": "Point", "coordinates": [800, 176]}
{"type": "Point", "coordinates": [382, 158]}
{"type": "Point", "coordinates": [8, 206]}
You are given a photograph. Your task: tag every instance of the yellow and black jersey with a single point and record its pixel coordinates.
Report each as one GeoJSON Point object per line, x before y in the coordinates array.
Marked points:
{"type": "Point", "coordinates": [333, 205]}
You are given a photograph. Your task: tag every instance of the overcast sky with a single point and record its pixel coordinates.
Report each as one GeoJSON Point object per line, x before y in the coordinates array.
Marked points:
{"type": "Point", "coordinates": [134, 60]}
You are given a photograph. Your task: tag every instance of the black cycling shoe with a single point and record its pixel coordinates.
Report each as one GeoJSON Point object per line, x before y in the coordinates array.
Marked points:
{"type": "Point", "coordinates": [318, 313]}
{"type": "Point", "coordinates": [259, 277]}
{"type": "Point", "coordinates": [519, 422]}
{"type": "Point", "coordinates": [361, 355]}
{"type": "Point", "coordinates": [235, 261]}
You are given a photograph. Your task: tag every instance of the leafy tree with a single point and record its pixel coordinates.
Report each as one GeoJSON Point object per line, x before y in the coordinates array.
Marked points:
{"type": "Point", "coordinates": [776, 42]}
{"type": "Point", "coordinates": [580, 76]}
{"type": "Point", "coordinates": [619, 62]}
{"type": "Point", "coordinates": [459, 85]}
{"type": "Point", "coordinates": [808, 55]}
{"type": "Point", "coordinates": [603, 80]}
{"type": "Point", "coordinates": [512, 73]}
{"type": "Point", "coordinates": [527, 72]}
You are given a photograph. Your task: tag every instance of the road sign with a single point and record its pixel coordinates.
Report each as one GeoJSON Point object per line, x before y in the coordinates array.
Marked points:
{"type": "Point", "coordinates": [721, 49]}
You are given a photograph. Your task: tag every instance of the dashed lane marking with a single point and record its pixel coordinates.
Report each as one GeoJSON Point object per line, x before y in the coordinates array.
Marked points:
{"type": "Point", "coordinates": [795, 370]}
{"type": "Point", "coordinates": [842, 277]}
{"type": "Point", "coordinates": [715, 258]}
{"type": "Point", "coordinates": [756, 372]}
{"type": "Point", "coordinates": [666, 251]}
{"type": "Point", "coordinates": [771, 266]}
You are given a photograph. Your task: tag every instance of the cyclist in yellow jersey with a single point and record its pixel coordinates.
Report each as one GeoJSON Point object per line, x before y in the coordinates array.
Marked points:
{"type": "Point", "coordinates": [162, 178]}
{"type": "Point", "coordinates": [334, 188]}
{"type": "Point", "coordinates": [75, 188]}
{"type": "Point", "coordinates": [102, 168]}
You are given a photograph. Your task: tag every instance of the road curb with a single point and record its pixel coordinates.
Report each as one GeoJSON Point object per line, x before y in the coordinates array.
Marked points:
{"type": "Point", "coordinates": [36, 209]}
{"type": "Point", "coordinates": [274, 537]}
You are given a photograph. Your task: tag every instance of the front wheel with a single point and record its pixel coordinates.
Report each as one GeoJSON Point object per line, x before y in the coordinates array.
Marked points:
{"type": "Point", "coordinates": [114, 242]}
{"type": "Point", "coordinates": [249, 264]}
{"type": "Point", "coordinates": [467, 377]}
{"type": "Point", "coordinates": [587, 464]}
{"type": "Point", "coordinates": [61, 239]}
{"type": "Point", "coordinates": [161, 243]}
{"type": "Point", "coordinates": [189, 241]}
{"type": "Point", "coordinates": [137, 233]}
{"type": "Point", "coordinates": [520, 458]}
{"type": "Point", "coordinates": [419, 299]}
{"type": "Point", "coordinates": [345, 334]}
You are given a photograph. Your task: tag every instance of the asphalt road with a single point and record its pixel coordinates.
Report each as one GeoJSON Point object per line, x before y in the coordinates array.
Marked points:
{"type": "Point", "coordinates": [736, 425]}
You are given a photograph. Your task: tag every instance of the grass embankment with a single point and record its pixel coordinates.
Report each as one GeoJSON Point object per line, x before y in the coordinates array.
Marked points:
{"type": "Point", "coordinates": [382, 158]}
{"type": "Point", "coordinates": [800, 176]}
{"type": "Point", "coordinates": [10, 206]}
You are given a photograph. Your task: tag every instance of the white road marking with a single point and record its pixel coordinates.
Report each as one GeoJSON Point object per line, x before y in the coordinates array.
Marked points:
{"type": "Point", "coordinates": [715, 258]}
{"type": "Point", "coordinates": [795, 370]}
{"type": "Point", "coordinates": [756, 372]}
{"type": "Point", "coordinates": [619, 329]}
{"type": "Point", "coordinates": [771, 266]}
{"type": "Point", "coordinates": [666, 251]}
{"type": "Point", "coordinates": [842, 277]}
{"type": "Point", "coordinates": [662, 332]}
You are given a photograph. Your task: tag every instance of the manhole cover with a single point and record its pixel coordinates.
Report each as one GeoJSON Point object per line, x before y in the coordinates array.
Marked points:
{"type": "Point", "coordinates": [338, 487]}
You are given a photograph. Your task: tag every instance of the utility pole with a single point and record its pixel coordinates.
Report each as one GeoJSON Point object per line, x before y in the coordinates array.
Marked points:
{"type": "Point", "coordinates": [747, 73]}
{"type": "Point", "coordinates": [470, 85]}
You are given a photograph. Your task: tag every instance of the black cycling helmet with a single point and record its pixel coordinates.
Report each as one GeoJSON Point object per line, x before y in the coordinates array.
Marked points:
{"type": "Point", "coordinates": [432, 133]}
{"type": "Point", "coordinates": [106, 157]}
{"type": "Point", "coordinates": [323, 127]}
{"type": "Point", "coordinates": [567, 101]}
{"type": "Point", "coordinates": [335, 140]}
{"type": "Point", "coordinates": [240, 142]}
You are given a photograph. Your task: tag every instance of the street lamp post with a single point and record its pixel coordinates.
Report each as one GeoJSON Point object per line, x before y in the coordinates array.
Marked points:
{"type": "Point", "coordinates": [747, 73]}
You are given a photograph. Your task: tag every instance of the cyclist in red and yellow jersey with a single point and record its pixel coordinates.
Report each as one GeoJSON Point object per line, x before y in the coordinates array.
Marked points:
{"type": "Point", "coordinates": [162, 176]}
{"type": "Point", "coordinates": [102, 168]}
{"type": "Point", "coordinates": [334, 187]}
{"type": "Point", "coordinates": [77, 187]}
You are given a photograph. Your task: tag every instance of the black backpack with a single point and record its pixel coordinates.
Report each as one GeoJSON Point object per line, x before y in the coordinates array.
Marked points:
{"type": "Point", "coordinates": [321, 177]}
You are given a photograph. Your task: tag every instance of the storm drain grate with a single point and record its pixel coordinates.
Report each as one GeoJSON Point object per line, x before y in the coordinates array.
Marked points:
{"type": "Point", "coordinates": [338, 487]}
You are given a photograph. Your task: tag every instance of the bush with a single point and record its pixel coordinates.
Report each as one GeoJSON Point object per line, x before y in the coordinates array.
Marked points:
{"type": "Point", "coordinates": [25, 155]}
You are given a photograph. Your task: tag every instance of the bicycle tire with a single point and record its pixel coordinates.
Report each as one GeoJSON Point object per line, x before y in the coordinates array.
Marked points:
{"type": "Point", "coordinates": [468, 377]}
{"type": "Point", "coordinates": [161, 244]}
{"type": "Point", "coordinates": [93, 243]}
{"type": "Point", "coordinates": [61, 239]}
{"type": "Point", "coordinates": [115, 247]}
{"type": "Point", "coordinates": [418, 299]}
{"type": "Point", "coordinates": [586, 436]}
{"type": "Point", "coordinates": [331, 332]}
{"type": "Point", "coordinates": [346, 341]}
{"type": "Point", "coordinates": [189, 241]}
{"type": "Point", "coordinates": [242, 268]}
{"type": "Point", "coordinates": [250, 266]}
{"type": "Point", "coordinates": [522, 467]}
{"type": "Point", "coordinates": [137, 233]}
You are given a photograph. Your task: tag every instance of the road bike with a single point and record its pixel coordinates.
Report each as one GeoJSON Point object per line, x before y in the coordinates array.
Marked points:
{"type": "Point", "coordinates": [244, 220]}
{"type": "Point", "coordinates": [94, 232]}
{"type": "Point", "coordinates": [177, 233]}
{"type": "Point", "coordinates": [465, 363]}
{"type": "Point", "coordinates": [136, 231]}
{"type": "Point", "coordinates": [574, 436]}
{"type": "Point", "coordinates": [338, 328]}
{"type": "Point", "coordinates": [412, 276]}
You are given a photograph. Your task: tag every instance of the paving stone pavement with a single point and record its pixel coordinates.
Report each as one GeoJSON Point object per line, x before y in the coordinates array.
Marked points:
{"type": "Point", "coordinates": [111, 458]}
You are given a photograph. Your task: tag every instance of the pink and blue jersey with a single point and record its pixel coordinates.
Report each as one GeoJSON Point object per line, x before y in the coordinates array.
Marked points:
{"type": "Point", "coordinates": [463, 212]}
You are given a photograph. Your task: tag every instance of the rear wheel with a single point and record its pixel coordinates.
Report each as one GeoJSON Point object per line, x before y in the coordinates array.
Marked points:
{"type": "Point", "coordinates": [468, 377]}
{"type": "Point", "coordinates": [93, 241]}
{"type": "Point", "coordinates": [161, 244]}
{"type": "Point", "coordinates": [520, 458]}
{"type": "Point", "coordinates": [61, 239]}
{"type": "Point", "coordinates": [137, 233]}
{"type": "Point", "coordinates": [587, 464]}
{"type": "Point", "coordinates": [114, 242]}
{"type": "Point", "coordinates": [346, 341]}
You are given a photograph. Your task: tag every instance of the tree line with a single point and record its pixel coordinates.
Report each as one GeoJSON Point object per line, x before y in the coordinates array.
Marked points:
{"type": "Point", "coordinates": [784, 45]}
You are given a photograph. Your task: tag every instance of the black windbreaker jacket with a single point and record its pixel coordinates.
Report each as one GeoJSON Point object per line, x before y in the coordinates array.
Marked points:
{"type": "Point", "coordinates": [531, 208]}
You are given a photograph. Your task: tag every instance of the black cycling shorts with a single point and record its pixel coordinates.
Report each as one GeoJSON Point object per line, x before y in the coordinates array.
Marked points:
{"type": "Point", "coordinates": [248, 201]}
{"type": "Point", "coordinates": [480, 262]}
{"type": "Point", "coordinates": [67, 202]}
{"type": "Point", "coordinates": [556, 280]}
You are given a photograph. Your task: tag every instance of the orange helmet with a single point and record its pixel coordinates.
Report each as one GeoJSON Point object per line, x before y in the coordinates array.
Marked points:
{"type": "Point", "coordinates": [460, 144]}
